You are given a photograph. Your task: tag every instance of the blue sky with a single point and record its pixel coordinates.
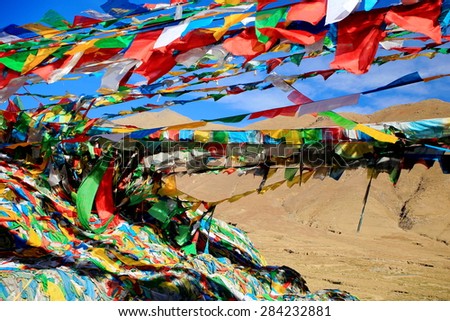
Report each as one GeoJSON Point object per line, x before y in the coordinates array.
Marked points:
{"type": "Point", "coordinates": [25, 11]}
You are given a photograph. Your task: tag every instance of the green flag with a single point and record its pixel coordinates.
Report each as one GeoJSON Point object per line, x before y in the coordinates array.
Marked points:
{"type": "Point", "coordinates": [289, 173]}
{"type": "Point", "coordinates": [86, 195]}
{"type": "Point", "coordinates": [116, 42]}
{"type": "Point", "coordinates": [54, 19]}
{"type": "Point", "coordinates": [297, 58]}
{"type": "Point", "coordinates": [231, 119]}
{"type": "Point", "coordinates": [268, 19]}
{"type": "Point", "coordinates": [338, 119]}
{"type": "Point", "coordinates": [17, 60]}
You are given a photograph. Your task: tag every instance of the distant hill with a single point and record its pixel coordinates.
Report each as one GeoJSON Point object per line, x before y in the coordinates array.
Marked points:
{"type": "Point", "coordinates": [163, 118]}
{"type": "Point", "coordinates": [432, 108]}
{"type": "Point", "coordinates": [155, 119]}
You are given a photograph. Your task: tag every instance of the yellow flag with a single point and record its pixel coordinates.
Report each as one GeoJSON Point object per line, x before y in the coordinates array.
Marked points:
{"type": "Point", "coordinates": [172, 89]}
{"type": "Point", "coordinates": [228, 2]}
{"type": "Point", "coordinates": [272, 171]}
{"type": "Point", "coordinates": [122, 130]}
{"type": "Point", "coordinates": [201, 136]}
{"type": "Point", "coordinates": [34, 60]}
{"type": "Point", "coordinates": [54, 292]}
{"type": "Point", "coordinates": [169, 188]}
{"type": "Point", "coordinates": [376, 134]}
{"type": "Point", "coordinates": [12, 216]}
{"type": "Point", "coordinates": [132, 262]}
{"type": "Point", "coordinates": [176, 73]}
{"type": "Point", "coordinates": [353, 149]}
{"type": "Point", "coordinates": [282, 47]}
{"type": "Point", "coordinates": [229, 21]}
{"type": "Point", "coordinates": [306, 176]}
{"type": "Point", "coordinates": [109, 264]}
{"type": "Point", "coordinates": [276, 133]}
{"type": "Point", "coordinates": [294, 181]}
{"type": "Point", "coordinates": [293, 137]}
{"type": "Point", "coordinates": [81, 47]}
{"type": "Point", "coordinates": [42, 30]}
{"type": "Point", "coordinates": [278, 288]}
{"type": "Point", "coordinates": [34, 239]}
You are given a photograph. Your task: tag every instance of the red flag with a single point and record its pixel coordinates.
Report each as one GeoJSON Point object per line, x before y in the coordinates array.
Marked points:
{"type": "Point", "coordinates": [247, 45]}
{"type": "Point", "coordinates": [12, 107]}
{"type": "Point", "coordinates": [157, 64]}
{"type": "Point", "coordinates": [194, 39]}
{"type": "Point", "coordinates": [311, 11]}
{"type": "Point", "coordinates": [273, 63]}
{"type": "Point", "coordinates": [76, 139]}
{"type": "Point", "coordinates": [186, 79]}
{"type": "Point", "coordinates": [271, 113]}
{"type": "Point", "coordinates": [263, 3]}
{"type": "Point", "coordinates": [324, 73]}
{"type": "Point", "coordinates": [45, 71]}
{"type": "Point", "coordinates": [11, 112]}
{"type": "Point", "coordinates": [298, 98]}
{"type": "Point", "coordinates": [297, 36]}
{"type": "Point", "coordinates": [421, 17]}
{"type": "Point", "coordinates": [97, 55]}
{"type": "Point", "coordinates": [104, 201]}
{"type": "Point", "coordinates": [230, 170]}
{"type": "Point", "coordinates": [409, 50]}
{"type": "Point", "coordinates": [80, 21]}
{"type": "Point", "coordinates": [142, 45]}
{"type": "Point", "coordinates": [357, 41]}
{"type": "Point", "coordinates": [6, 75]}
{"type": "Point", "coordinates": [234, 90]}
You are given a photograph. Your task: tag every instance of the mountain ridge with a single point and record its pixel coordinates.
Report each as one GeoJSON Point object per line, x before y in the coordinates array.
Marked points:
{"type": "Point", "coordinates": [426, 109]}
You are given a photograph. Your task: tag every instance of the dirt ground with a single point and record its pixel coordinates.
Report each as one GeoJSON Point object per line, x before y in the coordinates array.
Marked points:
{"type": "Point", "coordinates": [312, 228]}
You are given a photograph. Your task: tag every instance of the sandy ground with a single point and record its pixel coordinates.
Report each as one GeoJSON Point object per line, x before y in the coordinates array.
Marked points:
{"type": "Point", "coordinates": [312, 228]}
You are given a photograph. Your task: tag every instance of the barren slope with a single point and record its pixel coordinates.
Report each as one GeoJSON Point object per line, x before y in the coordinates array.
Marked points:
{"type": "Point", "coordinates": [312, 228]}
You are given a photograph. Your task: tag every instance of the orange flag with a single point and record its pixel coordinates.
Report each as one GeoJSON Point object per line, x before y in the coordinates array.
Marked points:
{"type": "Point", "coordinates": [247, 45]}
{"type": "Point", "coordinates": [311, 11]}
